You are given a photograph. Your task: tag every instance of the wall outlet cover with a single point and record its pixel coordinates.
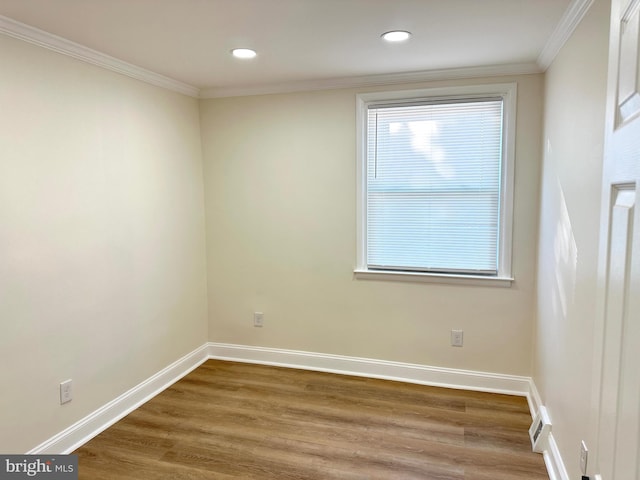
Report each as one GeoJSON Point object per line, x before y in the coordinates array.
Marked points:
{"type": "Point", "coordinates": [66, 391]}
{"type": "Point", "coordinates": [456, 338]}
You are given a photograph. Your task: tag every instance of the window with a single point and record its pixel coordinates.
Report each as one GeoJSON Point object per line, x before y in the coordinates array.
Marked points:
{"type": "Point", "coordinates": [436, 183]}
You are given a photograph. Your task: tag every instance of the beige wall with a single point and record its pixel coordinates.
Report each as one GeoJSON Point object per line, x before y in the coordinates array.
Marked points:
{"type": "Point", "coordinates": [575, 88]}
{"type": "Point", "coordinates": [280, 177]}
{"type": "Point", "coordinates": [102, 248]}
{"type": "Point", "coordinates": [103, 272]}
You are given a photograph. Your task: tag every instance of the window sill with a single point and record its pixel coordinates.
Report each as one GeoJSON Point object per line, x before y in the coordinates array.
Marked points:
{"type": "Point", "coordinates": [422, 277]}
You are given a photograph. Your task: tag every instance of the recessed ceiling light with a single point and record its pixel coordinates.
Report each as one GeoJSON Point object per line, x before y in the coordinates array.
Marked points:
{"type": "Point", "coordinates": [396, 36]}
{"type": "Point", "coordinates": [243, 53]}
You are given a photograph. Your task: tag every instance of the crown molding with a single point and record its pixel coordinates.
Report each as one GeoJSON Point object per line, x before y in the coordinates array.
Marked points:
{"type": "Point", "coordinates": [33, 35]}
{"type": "Point", "coordinates": [572, 17]}
{"type": "Point", "coordinates": [374, 80]}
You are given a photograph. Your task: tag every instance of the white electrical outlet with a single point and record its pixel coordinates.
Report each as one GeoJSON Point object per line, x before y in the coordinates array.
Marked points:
{"type": "Point", "coordinates": [258, 319]}
{"type": "Point", "coordinates": [456, 338]}
{"type": "Point", "coordinates": [584, 452]}
{"type": "Point", "coordinates": [66, 391]}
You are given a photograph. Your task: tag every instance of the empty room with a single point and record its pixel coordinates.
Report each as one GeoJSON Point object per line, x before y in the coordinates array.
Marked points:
{"type": "Point", "coordinates": [319, 239]}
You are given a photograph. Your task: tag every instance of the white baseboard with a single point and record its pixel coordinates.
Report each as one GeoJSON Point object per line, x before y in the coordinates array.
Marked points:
{"type": "Point", "coordinates": [404, 372]}
{"type": "Point", "coordinates": [90, 426]}
{"type": "Point", "coordinates": [534, 399]}
{"type": "Point", "coordinates": [367, 367]}
{"type": "Point", "coordinates": [553, 461]}
{"type": "Point", "coordinates": [84, 430]}
{"type": "Point", "coordinates": [551, 454]}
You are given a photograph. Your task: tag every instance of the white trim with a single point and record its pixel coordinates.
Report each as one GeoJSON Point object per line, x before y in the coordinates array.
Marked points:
{"type": "Point", "coordinates": [535, 402]}
{"type": "Point", "coordinates": [403, 372]}
{"type": "Point", "coordinates": [372, 368]}
{"type": "Point", "coordinates": [33, 35]}
{"type": "Point", "coordinates": [427, 277]}
{"type": "Point", "coordinates": [375, 80]}
{"type": "Point", "coordinates": [84, 430]}
{"type": "Point", "coordinates": [58, 44]}
{"type": "Point", "coordinates": [572, 17]}
{"type": "Point", "coordinates": [551, 454]}
{"type": "Point", "coordinates": [509, 94]}
{"type": "Point", "coordinates": [553, 460]}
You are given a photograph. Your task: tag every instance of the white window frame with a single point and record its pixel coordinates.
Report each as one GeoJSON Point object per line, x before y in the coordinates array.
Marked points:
{"type": "Point", "coordinates": [508, 92]}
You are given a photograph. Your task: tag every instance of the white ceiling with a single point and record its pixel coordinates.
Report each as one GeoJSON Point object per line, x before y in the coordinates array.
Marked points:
{"type": "Point", "coordinates": [297, 40]}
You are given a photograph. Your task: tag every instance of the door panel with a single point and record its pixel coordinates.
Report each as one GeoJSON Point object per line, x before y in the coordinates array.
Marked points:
{"type": "Point", "coordinates": [618, 450]}
{"type": "Point", "coordinates": [620, 400]}
{"type": "Point", "coordinates": [628, 70]}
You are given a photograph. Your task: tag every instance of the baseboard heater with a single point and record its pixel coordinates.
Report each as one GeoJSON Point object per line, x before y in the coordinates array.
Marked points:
{"type": "Point", "coordinates": [539, 430]}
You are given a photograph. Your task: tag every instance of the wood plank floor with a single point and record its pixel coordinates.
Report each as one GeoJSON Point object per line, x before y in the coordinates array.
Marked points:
{"type": "Point", "coordinates": [230, 420]}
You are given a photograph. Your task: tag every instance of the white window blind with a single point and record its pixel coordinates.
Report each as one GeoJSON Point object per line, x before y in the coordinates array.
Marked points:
{"type": "Point", "coordinates": [433, 180]}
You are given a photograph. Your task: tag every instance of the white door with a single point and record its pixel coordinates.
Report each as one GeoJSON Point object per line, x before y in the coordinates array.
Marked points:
{"type": "Point", "coordinates": [618, 450]}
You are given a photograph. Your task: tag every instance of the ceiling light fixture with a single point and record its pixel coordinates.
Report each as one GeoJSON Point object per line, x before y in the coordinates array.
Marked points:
{"type": "Point", "coordinates": [395, 36]}
{"type": "Point", "coordinates": [243, 53]}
